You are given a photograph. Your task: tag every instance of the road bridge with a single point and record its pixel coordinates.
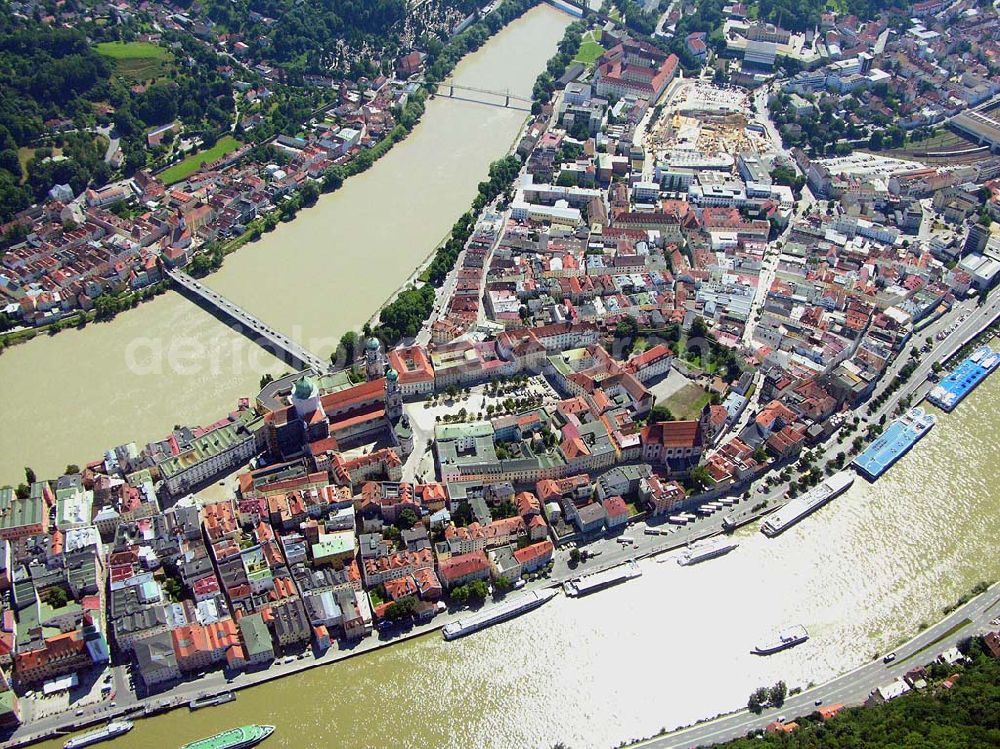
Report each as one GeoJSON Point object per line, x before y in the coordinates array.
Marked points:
{"type": "Point", "coordinates": [263, 335]}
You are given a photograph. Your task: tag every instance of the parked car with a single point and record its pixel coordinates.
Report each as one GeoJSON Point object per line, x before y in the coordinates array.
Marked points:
{"type": "Point", "coordinates": [889, 658]}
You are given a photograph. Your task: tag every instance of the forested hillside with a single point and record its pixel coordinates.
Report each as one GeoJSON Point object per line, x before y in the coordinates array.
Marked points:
{"type": "Point", "coordinates": [310, 37]}
{"type": "Point", "coordinates": [967, 716]}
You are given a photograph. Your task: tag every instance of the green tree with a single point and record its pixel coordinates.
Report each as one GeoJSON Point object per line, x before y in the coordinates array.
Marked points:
{"type": "Point", "coordinates": [660, 413]}
{"type": "Point", "coordinates": [776, 695]}
{"type": "Point", "coordinates": [347, 350]}
{"type": "Point", "coordinates": [699, 329]}
{"type": "Point", "coordinates": [757, 700]}
{"type": "Point", "coordinates": [700, 479]}
{"type": "Point", "coordinates": [401, 609]}
{"type": "Point", "coordinates": [407, 519]}
{"type": "Point", "coordinates": [478, 590]}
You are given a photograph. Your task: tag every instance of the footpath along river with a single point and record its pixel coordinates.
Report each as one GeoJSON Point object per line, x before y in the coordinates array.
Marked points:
{"type": "Point", "coordinates": [67, 398]}
{"type": "Point", "coordinates": [671, 647]}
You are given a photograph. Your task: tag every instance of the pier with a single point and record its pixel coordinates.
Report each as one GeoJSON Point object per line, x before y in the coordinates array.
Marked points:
{"type": "Point", "coordinates": [261, 334]}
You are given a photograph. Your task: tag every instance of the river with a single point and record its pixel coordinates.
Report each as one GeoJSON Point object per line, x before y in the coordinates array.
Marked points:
{"type": "Point", "coordinates": [67, 398]}
{"type": "Point", "coordinates": [672, 647]}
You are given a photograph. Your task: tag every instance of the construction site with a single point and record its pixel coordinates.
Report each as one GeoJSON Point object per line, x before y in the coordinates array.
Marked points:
{"type": "Point", "coordinates": [708, 120]}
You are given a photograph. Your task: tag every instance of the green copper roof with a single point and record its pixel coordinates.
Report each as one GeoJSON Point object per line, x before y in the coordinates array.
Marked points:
{"type": "Point", "coordinates": [305, 389]}
{"type": "Point", "coordinates": [391, 374]}
{"type": "Point", "coordinates": [373, 344]}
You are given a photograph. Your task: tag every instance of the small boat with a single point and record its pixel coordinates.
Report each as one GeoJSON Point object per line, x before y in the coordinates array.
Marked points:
{"type": "Point", "coordinates": [786, 638]}
{"type": "Point", "coordinates": [110, 731]}
{"type": "Point", "coordinates": [218, 699]}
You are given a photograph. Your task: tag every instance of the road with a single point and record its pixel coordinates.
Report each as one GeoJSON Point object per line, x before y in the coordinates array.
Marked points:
{"type": "Point", "coordinates": [978, 319]}
{"type": "Point", "coordinates": [852, 688]}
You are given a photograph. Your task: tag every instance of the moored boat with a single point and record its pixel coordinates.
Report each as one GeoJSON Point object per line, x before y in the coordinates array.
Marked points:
{"type": "Point", "coordinates": [808, 503]}
{"type": "Point", "coordinates": [110, 731]}
{"type": "Point", "coordinates": [242, 737]}
{"type": "Point", "coordinates": [701, 552]}
{"type": "Point", "coordinates": [495, 614]}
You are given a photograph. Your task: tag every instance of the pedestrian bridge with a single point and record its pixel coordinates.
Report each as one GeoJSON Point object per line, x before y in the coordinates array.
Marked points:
{"type": "Point", "coordinates": [486, 96]}
{"type": "Point", "coordinates": [277, 343]}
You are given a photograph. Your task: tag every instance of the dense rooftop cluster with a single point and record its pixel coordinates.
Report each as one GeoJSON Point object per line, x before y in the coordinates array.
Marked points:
{"type": "Point", "coordinates": [665, 305]}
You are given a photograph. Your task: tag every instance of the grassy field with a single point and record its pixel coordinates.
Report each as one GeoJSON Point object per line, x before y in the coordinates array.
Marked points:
{"type": "Point", "coordinates": [126, 50]}
{"type": "Point", "coordinates": [590, 48]}
{"type": "Point", "coordinates": [24, 155]}
{"type": "Point", "coordinates": [190, 165]}
{"type": "Point", "coordinates": [687, 402]}
{"type": "Point", "coordinates": [136, 61]}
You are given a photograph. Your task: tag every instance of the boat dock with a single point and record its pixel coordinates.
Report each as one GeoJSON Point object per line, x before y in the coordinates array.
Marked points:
{"type": "Point", "coordinates": [964, 378]}
{"type": "Point", "coordinates": [894, 443]}
{"type": "Point", "coordinates": [581, 586]}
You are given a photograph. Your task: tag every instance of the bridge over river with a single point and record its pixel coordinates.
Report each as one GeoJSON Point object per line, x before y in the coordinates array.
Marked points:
{"type": "Point", "coordinates": [263, 335]}
{"type": "Point", "coordinates": [471, 93]}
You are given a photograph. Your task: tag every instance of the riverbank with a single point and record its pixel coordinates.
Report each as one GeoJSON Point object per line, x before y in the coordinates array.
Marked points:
{"type": "Point", "coordinates": [80, 319]}
{"type": "Point", "coordinates": [168, 362]}
{"type": "Point", "coordinates": [422, 267]}
{"type": "Point", "coordinates": [216, 683]}
{"type": "Point", "coordinates": [856, 683]}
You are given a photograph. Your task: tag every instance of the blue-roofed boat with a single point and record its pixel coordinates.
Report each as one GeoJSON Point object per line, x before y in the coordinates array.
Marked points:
{"type": "Point", "coordinates": [963, 380]}
{"type": "Point", "coordinates": [894, 442]}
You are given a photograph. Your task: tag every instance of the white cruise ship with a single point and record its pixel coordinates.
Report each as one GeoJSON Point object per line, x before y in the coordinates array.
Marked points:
{"type": "Point", "coordinates": [494, 614]}
{"type": "Point", "coordinates": [700, 552]}
{"type": "Point", "coordinates": [110, 731]}
{"type": "Point", "coordinates": [809, 502]}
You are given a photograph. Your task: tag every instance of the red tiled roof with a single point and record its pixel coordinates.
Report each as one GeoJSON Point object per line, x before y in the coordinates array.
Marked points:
{"type": "Point", "coordinates": [463, 565]}
{"type": "Point", "coordinates": [673, 434]}
{"type": "Point", "coordinates": [534, 551]}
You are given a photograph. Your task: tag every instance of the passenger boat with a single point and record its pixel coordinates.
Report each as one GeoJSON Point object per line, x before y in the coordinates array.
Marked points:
{"type": "Point", "coordinates": [242, 737]}
{"type": "Point", "coordinates": [110, 731]}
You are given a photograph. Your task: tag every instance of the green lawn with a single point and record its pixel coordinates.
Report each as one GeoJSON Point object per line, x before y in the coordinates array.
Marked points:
{"type": "Point", "coordinates": [24, 155]}
{"type": "Point", "coordinates": [687, 402]}
{"type": "Point", "coordinates": [137, 61]}
{"type": "Point", "coordinates": [590, 48]}
{"type": "Point", "coordinates": [191, 164]}
{"type": "Point", "coordinates": [125, 50]}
